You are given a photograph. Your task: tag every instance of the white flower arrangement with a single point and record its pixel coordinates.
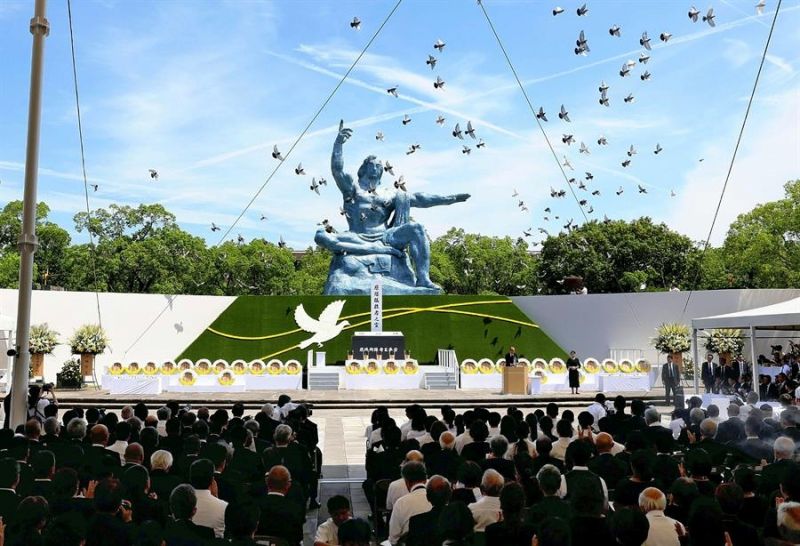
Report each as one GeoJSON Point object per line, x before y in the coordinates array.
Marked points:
{"type": "Point", "coordinates": [42, 339]}
{"type": "Point", "coordinates": [673, 338]}
{"type": "Point", "coordinates": [88, 339]}
{"type": "Point", "coordinates": [724, 340]}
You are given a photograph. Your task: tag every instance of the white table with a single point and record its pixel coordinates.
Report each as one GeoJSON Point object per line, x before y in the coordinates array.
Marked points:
{"type": "Point", "coordinates": [627, 382]}
{"type": "Point", "coordinates": [132, 384]}
{"type": "Point", "coordinates": [381, 381]}
{"type": "Point", "coordinates": [266, 382]}
{"type": "Point", "coordinates": [482, 381]}
{"type": "Point", "coordinates": [206, 383]}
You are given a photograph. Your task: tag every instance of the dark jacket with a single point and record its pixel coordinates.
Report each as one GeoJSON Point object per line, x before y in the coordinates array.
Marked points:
{"type": "Point", "coordinates": [608, 467]}
{"type": "Point", "coordinates": [423, 529]}
{"type": "Point", "coordinates": [186, 533]}
{"type": "Point", "coordinates": [281, 517]}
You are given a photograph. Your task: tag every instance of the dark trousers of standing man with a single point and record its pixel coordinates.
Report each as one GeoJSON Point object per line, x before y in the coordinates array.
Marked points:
{"type": "Point", "coordinates": [670, 386]}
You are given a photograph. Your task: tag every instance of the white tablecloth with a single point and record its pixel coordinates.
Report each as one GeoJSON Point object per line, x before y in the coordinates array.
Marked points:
{"type": "Point", "coordinates": [206, 383]}
{"type": "Point", "coordinates": [132, 384]}
{"type": "Point", "coordinates": [615, 383]}
{"type": "Point", "coordinates": [381, 381]}
{"type": "Point", "coordinates": [268, 382]}
{"type": "Point", "coordinates": [482, 381]}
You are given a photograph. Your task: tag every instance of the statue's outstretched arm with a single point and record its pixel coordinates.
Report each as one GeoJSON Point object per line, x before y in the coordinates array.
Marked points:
{"type": "Point", "coordinates": [343, 180]}
{"type": "Point", "coordinates": [425, 200]}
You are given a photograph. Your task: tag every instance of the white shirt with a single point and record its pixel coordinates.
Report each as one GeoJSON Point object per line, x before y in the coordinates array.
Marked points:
{"type": "Point", "coordinates": [598, 411]}
{"type": "Point", "coordinates": [328, 533]}
{"type": "Point", "coordinates": [396, 490]}
{"type": "Point", "coordinates": [405, 428]}
{"type": "Point", "coordinates": [485, 512]}
{"type": "Point", "coordinates": [559, 450]}
{"type": "Point", "coordinates": [418, 435]}
{"type": "Point", "coordinates": [119, 447]}
{"type": "Point", "coordinates": [512, 450]}
{"type": "Point", "coordinates": [662, 530]}
{"type": "Point", "coordinates": [416, 502]}
{"type": "Point", "coordinates": [161, 428]}
{"type": "Point", "coordinates": [210, 512]}
{"type": "Point", "coordinates": [463, 439]}
{"type": "Point", "coordinates": [493, 431]}
{"type": "Point", "coordinates": [617, 448]}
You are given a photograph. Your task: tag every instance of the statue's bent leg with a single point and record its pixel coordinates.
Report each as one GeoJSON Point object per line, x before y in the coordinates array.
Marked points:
{"type": "Point", "coordinates": [413, 235]}
{"type": "Point", "coordinates": [351, 243]}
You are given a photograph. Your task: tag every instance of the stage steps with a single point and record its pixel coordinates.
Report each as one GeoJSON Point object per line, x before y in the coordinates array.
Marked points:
{"type": "Point", "coordinates": [323, 381]}
{"type": "Point", "coordinates": [444, 380]}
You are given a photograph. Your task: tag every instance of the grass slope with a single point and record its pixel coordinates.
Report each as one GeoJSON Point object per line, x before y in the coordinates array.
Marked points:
{"type": "Point", "coordinates": [455, 327]}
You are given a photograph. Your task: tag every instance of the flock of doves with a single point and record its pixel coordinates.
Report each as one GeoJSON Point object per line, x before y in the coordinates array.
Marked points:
{"type": "Point", "coordinates": [581, 48]}
{"type": "Point", "coordinates": [582, 184]}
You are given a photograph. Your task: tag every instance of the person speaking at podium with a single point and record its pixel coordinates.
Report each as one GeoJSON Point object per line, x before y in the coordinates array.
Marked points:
{"type": "Point", "coordinates": [511, 357]}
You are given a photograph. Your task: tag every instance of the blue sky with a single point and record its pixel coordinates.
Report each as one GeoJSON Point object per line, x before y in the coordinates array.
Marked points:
{"type": "Point", "coordinates": [201, 90]}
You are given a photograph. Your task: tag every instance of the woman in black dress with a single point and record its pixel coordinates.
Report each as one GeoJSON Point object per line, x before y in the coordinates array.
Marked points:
{"type": "Point", "coordinates": [574, 377]}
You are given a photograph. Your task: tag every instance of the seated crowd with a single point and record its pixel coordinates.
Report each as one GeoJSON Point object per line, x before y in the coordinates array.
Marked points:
{"type": "Point", "coordinates": [173, 477]}
{"type": "Point", "coordinates": [610, 476]}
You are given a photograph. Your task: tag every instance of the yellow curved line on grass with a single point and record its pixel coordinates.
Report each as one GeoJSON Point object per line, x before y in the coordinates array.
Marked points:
{"type": "Point", "coordinates": [411, 311]}
{"type": "Point", "coordinates": [296, 330]}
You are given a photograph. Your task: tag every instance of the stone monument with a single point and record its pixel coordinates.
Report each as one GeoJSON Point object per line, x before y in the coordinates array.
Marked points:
{"type": "Point", "coordinates": [382, 240]}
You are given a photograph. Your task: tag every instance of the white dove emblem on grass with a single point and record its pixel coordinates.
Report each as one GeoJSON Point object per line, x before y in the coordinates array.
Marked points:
{"type": "Point", "coordinates": [325, 328]}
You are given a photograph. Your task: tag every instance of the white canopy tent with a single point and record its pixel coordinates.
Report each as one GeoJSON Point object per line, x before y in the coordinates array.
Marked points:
{"type": "Point", "coordinates": [783, 316]}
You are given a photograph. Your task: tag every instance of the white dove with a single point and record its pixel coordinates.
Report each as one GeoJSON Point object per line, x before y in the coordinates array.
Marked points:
{"type": "Point", "coordinates": [324, 329]}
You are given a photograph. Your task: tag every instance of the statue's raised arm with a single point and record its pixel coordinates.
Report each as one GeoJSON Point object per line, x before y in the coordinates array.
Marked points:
{"type": "Point", "coordinates": [343, 180]}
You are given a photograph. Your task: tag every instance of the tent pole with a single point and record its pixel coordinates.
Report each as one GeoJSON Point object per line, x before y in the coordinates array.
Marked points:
{"type": "Point", "coordinates": [40, 28]}
{"type": "Point", "coordinates": [753, 363]}
{"type": "Point", "coordinates": [694, 360]}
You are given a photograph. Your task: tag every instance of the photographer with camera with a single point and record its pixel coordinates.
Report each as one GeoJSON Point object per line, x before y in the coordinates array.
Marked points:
{"type": "Point", "coordinates": [39, 397]}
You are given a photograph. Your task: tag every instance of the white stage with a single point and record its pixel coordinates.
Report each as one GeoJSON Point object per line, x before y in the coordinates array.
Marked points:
{"type": "Point", "coordinates": [559, 382]}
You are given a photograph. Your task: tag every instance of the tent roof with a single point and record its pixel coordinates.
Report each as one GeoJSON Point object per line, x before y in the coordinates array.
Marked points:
{"type": "Point", "coordinates": [778, 316]}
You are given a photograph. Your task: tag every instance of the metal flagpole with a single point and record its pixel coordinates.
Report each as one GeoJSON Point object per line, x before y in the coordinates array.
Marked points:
{"type": "Point", "coordinates": [28, 242]}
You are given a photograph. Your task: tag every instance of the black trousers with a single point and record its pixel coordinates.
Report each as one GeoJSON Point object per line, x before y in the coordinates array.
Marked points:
{"type": "Point", "coordinates": [667, 388]}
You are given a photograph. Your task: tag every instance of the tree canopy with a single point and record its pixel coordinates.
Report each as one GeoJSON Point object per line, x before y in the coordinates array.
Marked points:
{"type": "Point", "coordinates": [143, 249]}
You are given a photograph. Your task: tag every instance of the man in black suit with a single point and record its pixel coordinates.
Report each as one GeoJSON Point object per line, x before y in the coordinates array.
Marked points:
{"type": "Point", "coordinates": [671, 378]}
{"type": "Point", "coordinates": [246, 462]}
{"type": "Point", "coordinates": [43, 464]}
{"type": "Point", "coordinates": [181, 530]}
{"type": "Point", "coordinates": [112, 521]}
{"type": "Point", "coordinates": [496, 460]}
{"type": "Point", "coordinates": [772, 474]}
{"type": "Point", "coordinates": [424, 528]}
{"type": "Point", "coordinates": [656, 435]}
{"type": "Point", "coordinates": [447, 461]}
{"type": "Point", "coordinates": [709, 373]}
{"type": "Point", "coordinates": [280, 516]}
{"type": "Point", "coordinates": [753, 449]}
{"type": "Point", "coordinates": [615, 423]}
{"type": "Point", "coordinates": [605, 465]}
{"type": "Point", "coordinates": [731, 430]}
{"type": "Point", "coordinates": [99, 462]}
{"type": "Point", "coordinates": [290, 454]}
{"type": "Point", "coordinates": [511, 356]}
{"type": "Point", "coordinates": [715, 450]}
{"type": "Point", "coordinates": [9, 479]}
{"type": "Point", "coordinates": [551, 506]}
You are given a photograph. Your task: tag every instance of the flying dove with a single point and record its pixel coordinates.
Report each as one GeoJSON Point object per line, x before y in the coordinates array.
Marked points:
{"type": "Point", "coordinates": [760, 7]}
{"type": "Point", "coordinates": [602, 141]}
{"type": "Point", "coordinates": [299, 170]}
{"type": "Point", "coordinates": [379, 136]}
{"type": "Point", "coordinates": [457, 132]}
{"type": "Point", "coordinates": [567, 164]}
{"type": "Point", "coordinates": [276, 154]}
{"type": "Point", "coordinates": [583, 10]}
{"type": "Point", "coordinates": [694, 13]}
{"type": "Point", "coordinates": [644, 57]}
{"type": "Point", "coordinates": [665, 36]}
{"type": "Point", "coordinates": [466, 150]}
{"type": "Point", "coordinates": [439, 45]}
{"type": "Point", "coordinates": [567, 139]}
{"type": "Point", "coordinates": [355, 23]}
{"type": "Point", "coordinates": [626, 163]}
{"type": "Point", "coordinates": [406, 119]}
{"type": "Point", "coordinates": [709, 18]}
{"type": "Point", "coordinates": [629, 99]}
{"type": "Point", "coordinates": [645, 76]}
{"type": "Point", "coordinates": [480, 143]}
{"type": "Point", "coordinates": [440, 120]}
{"type": "Point", "coordinates": [658, 149]}
{"type": "Point", "coordinates": [615, 31]}
{"type": "Point", "coordinates": [557, 10]}
{"type": "Point", "coordinates": [620, 191]}
{"type": "Point", "coordinates": [563, 114]}
{"type": "Point", "coordinates": [389, 168]}
{"type": "Point", "coordinates": [413, 148]}
{"type": "Point", "coordinates": [589, 176]}
{"type": "Point", "coordinates": [470, 130]}
{"type": "Point", "coordinates": [644, 41]}
{"type": "Point", "coordinates": [431, 61]}
{"type": "Point", "coordinates": [541, 115]}
{"type": "Point", "coordinates": [153, 174]}
{"type": "Point", "coordinates": [439, 83]}
{"type": "Point", "coordinates": [584, 149]}
{"type": "Point", "coordinates": [642, 189]}
{"type": "Point", "coordinates": [631, 151]}
{"type": "Point", "coordinates": [215, 227]}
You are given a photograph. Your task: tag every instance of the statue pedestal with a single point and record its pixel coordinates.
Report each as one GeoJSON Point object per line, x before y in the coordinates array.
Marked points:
{"type": "Point", "coordinates": [354, 275]}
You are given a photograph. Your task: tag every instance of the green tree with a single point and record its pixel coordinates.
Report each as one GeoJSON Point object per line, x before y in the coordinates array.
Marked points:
{"type": "Point", "coordinates": [618, 256]}
{"type": "Point", "coordinates": [311, 272]}
{"type": "Point", "coordinates": [762, 247]}
{"type": "Point", "coordinates": [467, 263]}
